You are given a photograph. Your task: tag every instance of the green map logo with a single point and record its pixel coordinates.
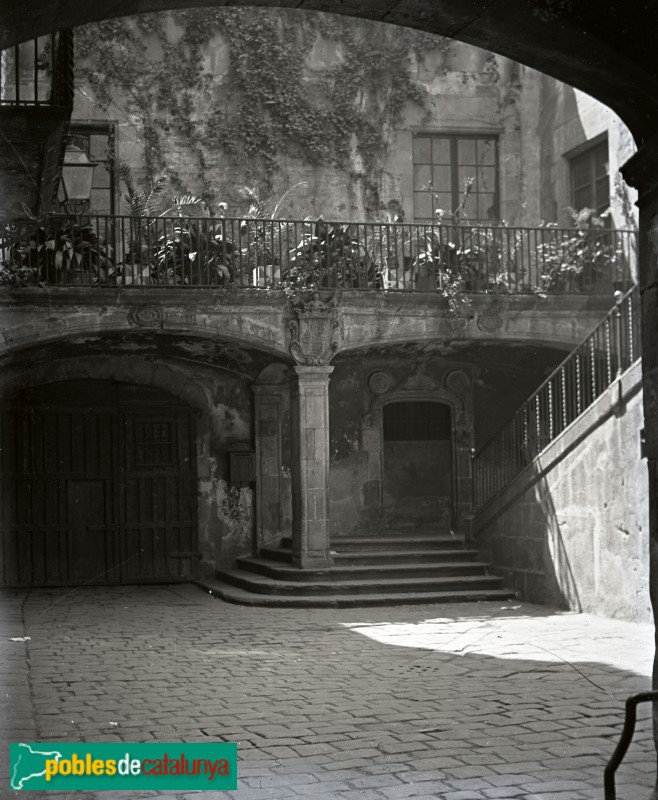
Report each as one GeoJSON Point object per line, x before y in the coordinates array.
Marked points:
{"type": "Point", "coordinates": [80, 766]}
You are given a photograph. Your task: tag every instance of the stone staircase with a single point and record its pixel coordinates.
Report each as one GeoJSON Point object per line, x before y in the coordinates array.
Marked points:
{"type": "Point", "coordinates": [390, 568]}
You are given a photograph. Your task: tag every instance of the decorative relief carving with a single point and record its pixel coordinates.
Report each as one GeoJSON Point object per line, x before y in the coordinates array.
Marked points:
{"type": "Point", "coordinates": [314, 331]}
{"type": "Point", "coordinates": [457, 381]}
{"type": "Point", "coordinates": [419, 382]}
{"type": "Point", "coordinates": [380, 382]}
{"type": "Point", "coordinates": [146, 316]}
{"type": "Point", "coordinates": [492, 319]}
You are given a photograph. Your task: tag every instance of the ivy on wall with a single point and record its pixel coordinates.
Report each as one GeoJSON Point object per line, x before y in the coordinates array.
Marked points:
{"type": "Point", "coordinates": [270, 104]}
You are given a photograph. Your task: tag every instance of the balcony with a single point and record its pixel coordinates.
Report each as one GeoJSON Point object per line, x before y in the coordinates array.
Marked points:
{"type": "Point", "coordinates": [300, 255]}
{"type": "Point", "coordinates": [38, 73]}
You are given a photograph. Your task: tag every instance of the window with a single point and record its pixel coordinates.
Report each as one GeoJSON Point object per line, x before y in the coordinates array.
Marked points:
{"type": "Point", "coordinates": [590, 179]}
{"type": "Point", "coordinates": [444, 165]}
{"type": "Point", "coordinates": [97, 140]}
{"type": "Point", "coordinates": [153, 444]}
{"type": "Point", "coordinates": [411, 421]}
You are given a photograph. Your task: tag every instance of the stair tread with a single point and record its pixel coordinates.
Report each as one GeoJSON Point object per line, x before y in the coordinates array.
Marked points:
{"type": "Point", "coordinates": [235, 594]}
{"type": "Point", "coordinates": [381, 553]}
{"type": "Point", "coordinates": [361, 567]}
{"type": "Point", "coordinates": [256, 579]}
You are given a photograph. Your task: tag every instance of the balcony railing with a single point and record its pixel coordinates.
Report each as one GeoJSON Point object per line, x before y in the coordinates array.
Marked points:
{"type": "Point", "coordinates": [38, 73]}
{"type": "Point", "coordinates": [611, 349]}
{"type": "Point", "coordinates": [176, 252]}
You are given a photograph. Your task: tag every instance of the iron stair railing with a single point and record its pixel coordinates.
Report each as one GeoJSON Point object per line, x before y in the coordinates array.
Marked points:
{"type": "Point", "coordinates": [611, 349]}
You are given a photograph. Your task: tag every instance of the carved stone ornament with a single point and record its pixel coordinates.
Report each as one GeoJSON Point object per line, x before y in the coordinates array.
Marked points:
{"type": "Point", "coordinates": [380, 382]}
{"type": "Point", "coordinates": [146, 316]}
{"type": "Point", "coordinates": [457, 381]}
{"type": "Point", "coordinates": [492, 319]}
{"type": "Point", "coordinates": [314, 331]}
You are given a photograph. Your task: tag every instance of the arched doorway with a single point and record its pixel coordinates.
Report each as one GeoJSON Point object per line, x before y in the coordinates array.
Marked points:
{"type": "Point", "coordinates": [98, 485]}
{"type": "Point", "coordinates": [418, 462]}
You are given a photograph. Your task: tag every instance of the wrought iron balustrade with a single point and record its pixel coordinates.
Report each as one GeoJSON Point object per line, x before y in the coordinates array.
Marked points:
{"type": "Point", "coordinates": [168, 251]}
{"type": "Point", "coordinates": [611, 349]}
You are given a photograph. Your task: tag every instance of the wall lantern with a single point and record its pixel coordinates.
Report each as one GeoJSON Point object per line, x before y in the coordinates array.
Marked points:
{"type": "Point", "coordinates": [77, 177]}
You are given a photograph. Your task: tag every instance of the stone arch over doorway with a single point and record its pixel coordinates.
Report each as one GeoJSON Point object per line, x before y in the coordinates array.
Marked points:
{"type": "Point", "coordinates": [452, 392]}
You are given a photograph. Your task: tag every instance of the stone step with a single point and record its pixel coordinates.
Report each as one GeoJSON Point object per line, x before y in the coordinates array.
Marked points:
{"type": "Point", "coordinates": [392, 586]}
{"type": "Point", "coordinates": [233, 594]}
{"type": "Point", "coordinates": [342, 544]}
{"type": "Point", "coordinates": [355, 557]}
{"type": "Point", "coordinates": [367, 571]}
{"type": "Point", "coordinates": [375, 557]}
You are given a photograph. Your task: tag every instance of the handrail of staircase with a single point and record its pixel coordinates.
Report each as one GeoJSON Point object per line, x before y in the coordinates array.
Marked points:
{"type": "Point", "coordinates": [601, 358]}
{"type": "Point", "coordinates": [624, 742]}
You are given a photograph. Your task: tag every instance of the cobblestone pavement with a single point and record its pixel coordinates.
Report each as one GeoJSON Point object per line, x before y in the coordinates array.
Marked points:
{"type": "Point", "coordinates": [458, 702]}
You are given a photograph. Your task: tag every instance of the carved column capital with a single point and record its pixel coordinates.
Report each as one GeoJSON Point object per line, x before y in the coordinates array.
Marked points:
{"type": "Point", "coordinates": [314, 330]}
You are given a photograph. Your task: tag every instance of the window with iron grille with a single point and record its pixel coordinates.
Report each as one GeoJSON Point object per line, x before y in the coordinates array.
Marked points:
{"type": "Point", "coordinates": [590, 178]}
{"type": "Point", "coordinates": [444, 165]}
{"type": "Point", "coordinates": [411, 421]}
{"type": "Point", "coordinates": [154, 446]}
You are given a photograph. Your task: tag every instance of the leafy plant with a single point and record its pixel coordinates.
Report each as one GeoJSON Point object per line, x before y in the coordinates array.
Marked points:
{"type": "Point", "coordinates": [61, 251]}
{"type": "Point", "coordinates": [173, 240]}
{"type": "Point", "coordinates": [579, 258]}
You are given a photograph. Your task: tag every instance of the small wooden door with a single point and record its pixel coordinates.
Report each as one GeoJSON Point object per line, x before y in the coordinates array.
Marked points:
{"type": "Point", "coordinates": [97, 485]}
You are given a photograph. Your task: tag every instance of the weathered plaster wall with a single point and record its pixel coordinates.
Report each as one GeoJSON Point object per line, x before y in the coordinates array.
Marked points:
{"type": "Point", "coordinates": [467, 89]}
{"type": "Point", "coordinates": [572, 530]}
{"type": "Point", "coordinates": [360, 386]}
{"type": "Point", "coordinates": [568, 120]}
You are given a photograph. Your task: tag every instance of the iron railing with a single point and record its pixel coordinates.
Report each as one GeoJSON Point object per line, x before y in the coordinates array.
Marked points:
{"type": "Point", "coordinates": [38, 72]}
{"type": "Point", "coordinates": [170, 251]}
{"type": "Point", "coordinates": [611, 349]}
{"type": "Point", "coordinates": [625, 740]}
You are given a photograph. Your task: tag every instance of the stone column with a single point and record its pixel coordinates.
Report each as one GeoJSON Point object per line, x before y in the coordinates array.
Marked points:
{"type": "Point", "coordinates": [641, 171]}
{"type": "Point", "coordinates": [314, 330]}
{"type": "Point", "coordinates": [268, 412]}
{"type": "Point", "coordinates": [309, 398]}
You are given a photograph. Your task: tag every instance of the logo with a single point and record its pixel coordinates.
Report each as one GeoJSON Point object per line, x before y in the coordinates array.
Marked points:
{"type": "Point", "coordinates": [84, 766]}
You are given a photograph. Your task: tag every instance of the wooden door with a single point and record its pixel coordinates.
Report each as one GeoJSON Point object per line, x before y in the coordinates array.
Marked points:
{"type": "Point", "coordinates": [158, 496]}
{"type": "Point", "coordinates": [82, 500]}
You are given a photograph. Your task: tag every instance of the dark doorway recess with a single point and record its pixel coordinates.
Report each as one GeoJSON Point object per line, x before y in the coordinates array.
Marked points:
{"type": "Point", "coordinates": [418, 484]}
{"type": "Point", "coordinates": [98, 485]}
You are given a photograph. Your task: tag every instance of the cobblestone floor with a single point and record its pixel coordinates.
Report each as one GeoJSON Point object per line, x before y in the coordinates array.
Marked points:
{"type": "Point", "coordinates": [457, 702]}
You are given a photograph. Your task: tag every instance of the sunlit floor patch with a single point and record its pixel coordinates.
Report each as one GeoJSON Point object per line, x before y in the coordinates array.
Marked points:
{"type": "Point", "coordinates": [556, 637]}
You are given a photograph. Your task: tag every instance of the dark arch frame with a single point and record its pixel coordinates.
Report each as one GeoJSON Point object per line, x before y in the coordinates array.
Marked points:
{"type": "Point", "coordinates": [608, 52]}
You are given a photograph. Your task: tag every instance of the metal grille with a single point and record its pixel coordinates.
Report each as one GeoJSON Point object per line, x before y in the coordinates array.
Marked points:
{"type": "Point", "coordinates": [153, 444]}
{"type": "Point", "coordinates": [413, 421]}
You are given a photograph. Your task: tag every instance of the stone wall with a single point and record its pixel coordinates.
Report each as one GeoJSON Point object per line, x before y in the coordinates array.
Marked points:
{"type": "Point", "coordinates": [572, 530]}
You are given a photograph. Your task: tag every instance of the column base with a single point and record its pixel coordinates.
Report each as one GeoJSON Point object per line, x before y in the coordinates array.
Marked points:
{"type": "Point", "coordinates": [312, 560]}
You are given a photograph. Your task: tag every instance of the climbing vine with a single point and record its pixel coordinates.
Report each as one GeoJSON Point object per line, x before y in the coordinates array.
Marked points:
{"type": "Point", "coordinates": [268, 104]}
